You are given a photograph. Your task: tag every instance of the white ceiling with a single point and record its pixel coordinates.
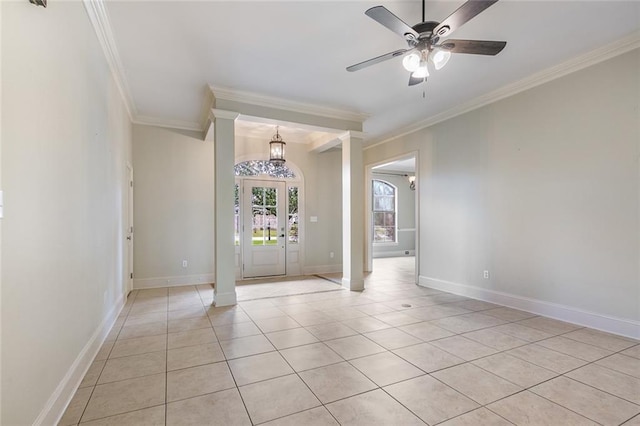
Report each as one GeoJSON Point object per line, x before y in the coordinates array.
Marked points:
{"type": "Point", "coordinates": [171, 51]}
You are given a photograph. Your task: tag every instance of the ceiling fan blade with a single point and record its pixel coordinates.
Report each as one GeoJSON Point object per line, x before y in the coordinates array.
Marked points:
{"type": "Point", "coordinates": [475, 47]}
{"type": "Point", "coordinates": [463, 14]}
{"type": "Point", "coordinates": [413, 80]}
{"type": "Point", "coordinates": [377, 59]}
{"type": "Point", "coordinates": [383, 16]}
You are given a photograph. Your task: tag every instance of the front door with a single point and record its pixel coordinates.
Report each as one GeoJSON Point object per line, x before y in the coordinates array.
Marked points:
{"type": "Point", "coordinates": [264, 224]}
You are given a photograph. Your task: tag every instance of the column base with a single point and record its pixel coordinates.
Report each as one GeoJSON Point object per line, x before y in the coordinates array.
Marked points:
{"type": "Point", "coordinates": [224, 299]}
{"type": "Point", "coordinates": [353, 285]}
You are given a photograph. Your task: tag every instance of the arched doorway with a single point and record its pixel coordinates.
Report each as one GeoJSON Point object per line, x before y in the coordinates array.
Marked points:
{"type": "Point", "coordinates": [268, 232]}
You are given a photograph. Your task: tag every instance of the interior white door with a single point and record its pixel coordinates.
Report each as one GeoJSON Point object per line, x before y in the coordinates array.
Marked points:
{"type": "Point", "coordinates": [264, 224]}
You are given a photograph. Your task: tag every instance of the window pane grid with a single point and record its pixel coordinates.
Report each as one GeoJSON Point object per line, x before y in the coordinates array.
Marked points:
{"type": "Point", "coordinates": [384, 212]}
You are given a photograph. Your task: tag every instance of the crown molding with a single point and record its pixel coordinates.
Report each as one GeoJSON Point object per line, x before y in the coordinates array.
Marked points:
{"type": "Point", "coordinates": [221, 113]}
{"type": "Point", "coordinates": [285, 104]}
{"type": "Point", "coordinates": [100, 22]}
{"type": "Point", "coordinates": [166, 123]}
{"type": "Point", "coordinates": [577, 63]}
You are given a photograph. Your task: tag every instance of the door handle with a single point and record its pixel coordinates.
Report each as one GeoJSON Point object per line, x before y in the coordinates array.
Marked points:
{"type": "Point", "coordinates": [282, 236]}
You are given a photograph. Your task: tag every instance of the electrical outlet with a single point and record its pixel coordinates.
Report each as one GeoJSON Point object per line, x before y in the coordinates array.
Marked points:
{"type": "Point", "coordinates": [331, 254]}
{"type": "Point", "coordinates": [184, 263]}
{"type": "Point", "coordinates": [486, 275]}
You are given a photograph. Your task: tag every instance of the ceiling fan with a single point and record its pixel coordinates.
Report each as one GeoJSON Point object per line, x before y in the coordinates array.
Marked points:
{"type": "Point", "coordinates": [424, 39]}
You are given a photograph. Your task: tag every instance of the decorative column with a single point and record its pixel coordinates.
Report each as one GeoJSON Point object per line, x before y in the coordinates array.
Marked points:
{"type": "Point", "coordinates": [352, 211]}
{"type": "Point", "coordinates": [224, 160]}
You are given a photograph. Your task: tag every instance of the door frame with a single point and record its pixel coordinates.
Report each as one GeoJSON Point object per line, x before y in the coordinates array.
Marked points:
{"type": "Point", "coordinates": [368, 219]}
{"type": "Point", "coordinates": [129, 230]}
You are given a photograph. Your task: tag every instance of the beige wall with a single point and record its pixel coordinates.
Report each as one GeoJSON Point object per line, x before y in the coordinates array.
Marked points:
{"type": "Point", "coordinates": [173, 207]}
{"type": "Point", "coordinates": [65, 144]}
{"type": "Point", "coordinates": [542, 190]}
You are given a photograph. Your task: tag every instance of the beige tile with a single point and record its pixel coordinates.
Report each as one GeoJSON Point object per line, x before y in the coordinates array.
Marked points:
{"type": "Point", "coordinates": [508, 314]}
{"type": "Point", "coordinates": [343, 314]}
{"type": "Point", "coordinates": [386, 368]}
{"type": "Point", "coordinates": [599, 406]}
{"type": "Point", "coordinates": [515, 370]}
{"type": "Point", "coordinates": [331, 331]}
{"type": "Point", "coordinates": [266, 313]}
{"type": "Point", "coordinates": [290, 338]}
{"type": "Point", "coordinates": [354, 346]}
{"type": "Point", "coordinates": [397, 319]}
{"type": "Point", "coordinates": [76, 407]}
{"type": "Point", "coordinates": [269, 325]}
{"type": "Point", "coordinates": [425, 331]}
{"type": "Point", "coordinates": [220, 408]}
{"type": "Point", "coordinates": [477, 384]}
{"type": "Point", "coordinates": [547, 358]}
{"type": "Point", "coordinates": [521, 332]}
{"type": "Point", "coordinates": [633, 352]}
{"type": "Point", "coordinates": [495, 339]}
{"type": "Point", "coordinates": [127, 395]}
{"type": "Point", "coordinates": [622, 363]}
{"type": "Point", "coordinates": [146, 417]}
{"type": "Point", "coordinates": [574, 348]}
{"type": "Point", "coordinates": [318, 416]}
{"type": "Point", "coordinates": [139, 345]}
{"type": "Point", "coordinates": [178, 325]}
{"type": "Point", "coordinates": [427, 357]}
{"type": "Point", "coordinates": [468, 322]}
{"type": "Point", "coordinates": [104, 351]}
{"type": "Point", "coordinates": [196, 381]}
{"type": "Point", "coordinates": [245, 346]}
{"type": "Point", "coordinates": [526, 408]}
{"type": "Point", "coordinates": [392, 338]}
{"type": "Point", "coordinates": [481, 416]}
{"type": "Point", "coordinates": [429, 313]}
{"type": "Point", "coordinates": [633, 422]}
{"type": "Point", "coordinates": [133, 366]}
{"type": "Point", "coordinates": [197, 311]}
{"type": "Point", "coordinates": [149, 308]}
{"type": "Point", "coordinates": [311, 318]}
{"type": "Point", "coordinates": [259, 367]}
{"type": "Point", "coordinates": [365, 324]}
{"type": "Point", "coordinates": [191, 338]}
{"type": "Point", "coordinates": [475, 305]}
{"type": "Point", "coordinates": [464, 348]}
{"type": "Point", "coordinates": [336, 381]}
{"type": "Point", "coordinates": [601, 339]}
{"type": "Point", "coordinates": [276, 398]}
{"type": "Point", "coordinates": [191, 356]}
{"type": "Point", "coordinates": [372, 408]}
{"type": "Point", "coordinates": [142, 330]}
{"type": "Point", "coordinates": [310, 356]}
{"type": "Point", "coordinates": [146, 318]}
{"type": "Point", "coordinates": [619, 384]}
{"type": "Point", "coordinates": [374, 308]}
{"type": "Point", "coordinates": [93, 373]}
{"type": "Point", "coordinates": [430, 400]}
{"type": "Point", "coordinates": [549, 325]}
{"type": "Point", "coordinates": [235, 330]}
{"type": "Point", "coordinates": [227, 315]}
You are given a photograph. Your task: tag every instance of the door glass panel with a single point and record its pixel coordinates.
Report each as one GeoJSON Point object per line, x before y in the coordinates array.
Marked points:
{"type": "Point", "coordinates": [265, 216]}
{"type": "Point", "coordinates": [236, 214]}
{"type": "Point", "coordinates": [293, 215]}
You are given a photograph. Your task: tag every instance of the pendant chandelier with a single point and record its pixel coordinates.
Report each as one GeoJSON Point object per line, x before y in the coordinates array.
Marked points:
{"type": "Point", "coordinates": [276, 149]}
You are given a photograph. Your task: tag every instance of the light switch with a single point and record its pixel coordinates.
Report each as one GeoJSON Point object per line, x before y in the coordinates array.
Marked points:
{"type": "Point", "coordinates": [313, 219]}
{"type": "Point", "coordinates": [1, 206]}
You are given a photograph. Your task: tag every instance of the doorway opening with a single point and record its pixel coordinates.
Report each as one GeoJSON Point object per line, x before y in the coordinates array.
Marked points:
{"type": "Point", "coordinates": [393, 214]}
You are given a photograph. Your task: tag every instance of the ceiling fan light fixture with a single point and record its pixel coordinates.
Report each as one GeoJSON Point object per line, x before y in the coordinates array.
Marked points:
{"type": "Point", "coordinates": [440, 57]}
{"type": "Point", "coordinates": [411, 62]}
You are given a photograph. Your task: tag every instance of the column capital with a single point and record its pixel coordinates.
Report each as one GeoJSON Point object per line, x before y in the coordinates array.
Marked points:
{"type": "Point", "coordinates": [224, 114]}
{"type": "Point", "coordinates": [351, 134]}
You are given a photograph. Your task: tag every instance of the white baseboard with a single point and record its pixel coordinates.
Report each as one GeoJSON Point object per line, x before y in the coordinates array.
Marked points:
{"type": "Point", "coordinates": [620, 326]}
{"type": "Point", "coordinates": [61, 397]}
{"type": "Point", "coordinates": [395, 253]}
{"type": "Point", "coordinates": [352, 285]}
{"type": "Point", "coordinates": [322, 269]}
{"type": "Point", "coordinates": [225, 299]}
{"type": "Point", "coordinates": [158, 282]}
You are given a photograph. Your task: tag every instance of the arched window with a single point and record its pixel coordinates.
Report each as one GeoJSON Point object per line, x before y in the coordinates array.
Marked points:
{"type": "Point", "coordinates": [384, 212]}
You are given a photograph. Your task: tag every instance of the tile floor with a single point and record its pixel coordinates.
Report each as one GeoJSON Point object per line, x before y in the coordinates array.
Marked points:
{"type": "Point", "coordinates": [395, 354]}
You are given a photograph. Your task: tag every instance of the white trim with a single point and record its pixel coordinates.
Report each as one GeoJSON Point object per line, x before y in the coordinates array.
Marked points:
{"type": "Point", "coordinates": [166, 123]}
{"type": "Point", "coordinates": [224, 114]}
{"type": "Point", "coordinates": [100, 22]}
{"type": "Point", "coordinates": [58, 401]}
{"type": "Point", "coordinates": [577, 63]}
{"type": "Point", "coordinates": [352, 285]}
{"type": "Point", "coordinates": [395, 253]}
{"type": "Point", "coordinates": [620, 326]}
{"type": "Point", "coordinates": [175, 281]}
{"type": "Point", "coordinates": [322, 269]}
{"type": "Point", "coordinates": [224, 299]}
{"type": "Point", "coordinates": [286, 104]}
